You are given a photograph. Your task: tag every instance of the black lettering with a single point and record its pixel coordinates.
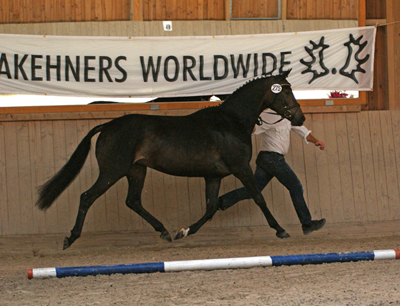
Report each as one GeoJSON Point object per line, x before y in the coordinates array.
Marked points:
{"type": "Point", "coordinates": [35, 67]}
{"type": "Point", "coordinates": [57, 66]}
{"type": "Point", "coordinates": [70, 67]}
{"type": "Point", "coordinates": [18, 66]}
{"type": "Point", "coordinates": [283, 62]}
{"type": "Point", "coordinates": [255, 64]}
{"type": "Point", "coordinates": [202, 77]}
{"type": "Point", "coordinates": [122, 70]}
{"type": "Point", "coordinates": [3, 61]}
{"type": "Point", "coordinates": [166, 64]}
{"type": "Point", "coordinates": [150, 65]}
{"type": "Point", "coordinates": [104, 69]}
{"type": "Point", "coordinates": [187, 68]}
{"type": "Point", "coordinates": [236, 66]}
{"type": "Point", "coordinates": [226, 70]}
{"type": "Point", "coordinates": [87, 68]}
{"type": "Point", "coordinates": [265, 63]}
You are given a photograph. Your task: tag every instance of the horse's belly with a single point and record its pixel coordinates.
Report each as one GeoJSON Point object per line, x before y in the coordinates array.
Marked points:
{"type": "Point", "coordinates": [190, 168]}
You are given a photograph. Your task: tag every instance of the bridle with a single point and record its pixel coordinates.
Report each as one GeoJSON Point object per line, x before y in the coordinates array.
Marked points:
{"type": "Point", "coordinates": [287, 111]}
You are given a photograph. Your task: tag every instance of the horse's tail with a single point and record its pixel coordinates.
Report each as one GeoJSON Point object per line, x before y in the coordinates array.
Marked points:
{"type": "Point", "coordinates": [50, 191]}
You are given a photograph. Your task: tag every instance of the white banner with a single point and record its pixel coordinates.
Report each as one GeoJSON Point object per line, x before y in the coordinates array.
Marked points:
{"type": "Point", "coordinates": [340, 59]}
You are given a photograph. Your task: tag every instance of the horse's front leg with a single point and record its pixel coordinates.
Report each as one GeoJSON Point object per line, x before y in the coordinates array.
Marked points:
{"type": "Point", "coordinates": [212, 190]}
{"type": "Point", "coordinates": [245, 175]}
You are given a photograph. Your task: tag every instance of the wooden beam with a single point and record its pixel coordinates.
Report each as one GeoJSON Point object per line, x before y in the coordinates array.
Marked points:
{"type": "Point", "coordinates": [45, 113]}
{"type": "Point", "coordinates": [362, 13]}
{"type": "Point", "coordinates": [227, 10]}
{"type": "Point", "coordinates": [362, 17]}
{"type": "Point", "coordinates": [331, 109]}
{"type": "Point", "coordinates": [283, 9]}
{"type": "Point", "coordinates": [136, 10]}
{"type": "Point", "coordinates": [375, 22]}
{"type": "Point", "coordinates": [4, 111]}
{"type": "Point", "coordinates": [392, 34]}
{"type": "Point", "coordinates": [332, 102]}
{"type": "Point", "coordinates": [131, 9]}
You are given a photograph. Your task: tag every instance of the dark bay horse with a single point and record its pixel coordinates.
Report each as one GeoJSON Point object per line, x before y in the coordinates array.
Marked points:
{"type": "Point", "coordinates": [212, 143]}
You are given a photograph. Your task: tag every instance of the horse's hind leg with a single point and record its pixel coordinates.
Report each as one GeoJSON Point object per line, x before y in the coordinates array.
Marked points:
{"type": "Point", "coordinates": [136, 178]}
{"type": "Point", "coordinates": [212, 190]}
{"type": "Point", "coordinates": [247, 178]}
{"type": "Point", "coordinates": [102, 184]}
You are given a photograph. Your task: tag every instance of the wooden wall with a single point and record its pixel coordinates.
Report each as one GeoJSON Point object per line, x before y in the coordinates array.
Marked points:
{"type": "Point", "coordinates": [180, 10]}
{"type": "Point", "coordinates": [28, 11]}
{"type": "Point", "coordinates": [315, 9]}
{"type": "Point", "coordinates": [180, 28]}
{"type": "Point", "coordinates": [32, 11]}
{"type": "Point", "coordinates": [255, 9]}
{"type": "Point", "coordinates": [205, 9]}
{"type": "Point", "coordinates": [393, 53]}
{"type": "Point", "coordinates": [356, 179]}
{"type": "Point", "coordinates": [375, 9]}
{"type": "Point", "coordinates": [378, 99]}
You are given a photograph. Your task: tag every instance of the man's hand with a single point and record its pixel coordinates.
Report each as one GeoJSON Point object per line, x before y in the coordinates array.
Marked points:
{"type": "Point", "coordinates": [315, 141]}
{"type": "Point", "coordinates": [320, 144]}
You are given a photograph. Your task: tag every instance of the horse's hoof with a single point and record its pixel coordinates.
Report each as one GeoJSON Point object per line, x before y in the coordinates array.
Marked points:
{"type": "Point", "coordinates": [66, 243]}
{"type": "Point", "coordinates": [165, 235]}
{"type": "Point", "coordinates": [282, 235]}
{"type": "Point", "coordinates": [182, 233]}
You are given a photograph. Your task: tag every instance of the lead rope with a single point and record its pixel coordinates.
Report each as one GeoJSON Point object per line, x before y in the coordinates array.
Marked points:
{"type": "Point", "coordinates": [260, 121]}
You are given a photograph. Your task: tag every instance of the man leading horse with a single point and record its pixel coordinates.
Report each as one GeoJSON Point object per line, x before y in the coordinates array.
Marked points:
{"type": "Point", "coordinates": [275, 142]}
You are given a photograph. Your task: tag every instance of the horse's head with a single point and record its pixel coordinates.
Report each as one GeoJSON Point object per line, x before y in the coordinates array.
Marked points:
{"type": "Point", "coordinates": [283, 100]}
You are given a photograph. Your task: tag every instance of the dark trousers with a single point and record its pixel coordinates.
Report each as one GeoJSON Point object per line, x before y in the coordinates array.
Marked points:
{"type": "Point", "coordinates": [269, 165]}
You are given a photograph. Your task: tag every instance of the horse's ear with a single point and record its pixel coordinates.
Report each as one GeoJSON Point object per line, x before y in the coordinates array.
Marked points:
{"type": "Point", "coordinates": [285, 74]}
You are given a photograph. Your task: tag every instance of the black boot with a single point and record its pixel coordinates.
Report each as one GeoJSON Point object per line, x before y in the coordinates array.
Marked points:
{"type": "Point", "coordinates": [314, 226]}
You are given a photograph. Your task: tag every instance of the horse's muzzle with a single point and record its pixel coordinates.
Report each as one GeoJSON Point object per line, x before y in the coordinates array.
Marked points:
{"type": "Point", "coordinates": [298, 120]}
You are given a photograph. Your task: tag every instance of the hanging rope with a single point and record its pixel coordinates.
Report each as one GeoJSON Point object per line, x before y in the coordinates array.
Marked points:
{"type": "Point", "coordinates": [386, 24]}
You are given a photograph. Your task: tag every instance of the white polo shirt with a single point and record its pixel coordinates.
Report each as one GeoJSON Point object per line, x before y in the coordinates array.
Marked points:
{"type": "Point", "coordinates": [276, 137]}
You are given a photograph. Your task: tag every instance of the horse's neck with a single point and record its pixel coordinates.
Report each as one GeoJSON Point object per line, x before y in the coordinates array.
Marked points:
{"type": "Point", "coordinates": [244, 109]}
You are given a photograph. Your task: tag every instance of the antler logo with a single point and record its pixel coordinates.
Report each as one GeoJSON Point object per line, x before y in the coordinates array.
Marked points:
{"type": "Point", "coordinates": [353, 63]}
{"type": "Point", "coordinates": [321, 46]}
{"type": "Point", "coordinates": [357, 44]}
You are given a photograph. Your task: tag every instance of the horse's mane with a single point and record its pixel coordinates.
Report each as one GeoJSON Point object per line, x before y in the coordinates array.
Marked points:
{"type": "Point", "coordinates": [257, 78]}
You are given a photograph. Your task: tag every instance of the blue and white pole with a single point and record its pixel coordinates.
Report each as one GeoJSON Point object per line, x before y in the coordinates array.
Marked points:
{"type": "Point", "coordinates": [214, 264]}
